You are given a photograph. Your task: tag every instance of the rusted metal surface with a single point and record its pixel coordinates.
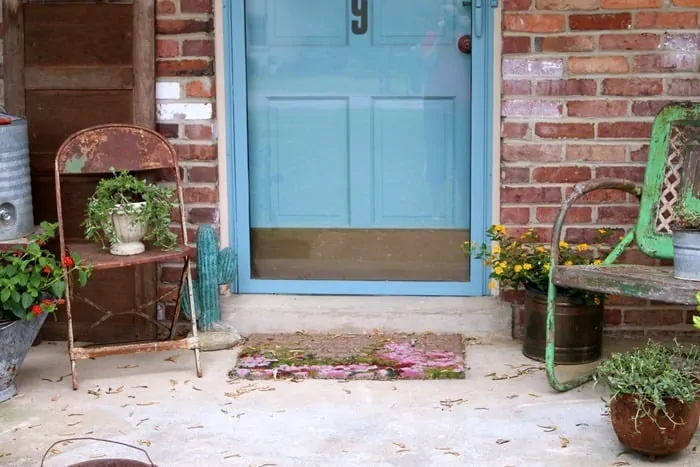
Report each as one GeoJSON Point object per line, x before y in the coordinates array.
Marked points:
{"type": "Point", "coordinates": [100, 150]}
{"type": "Point", "coordinates": [674, 141]}
{"type": "Point", "coordinates": [103, 260]}
{"type": "Point", "coordinates": [632, 280]}
{"type": "Point", "coordinates": [126, 147]}
{"type": "Point", "coordinates": [140, 347]}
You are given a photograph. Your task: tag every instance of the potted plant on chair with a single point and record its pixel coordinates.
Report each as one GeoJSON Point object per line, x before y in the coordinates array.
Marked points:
{"type": "Point", "coordinates": [125, 210]}
{"type": "Point", "coordinates": [32, 286]}
{"type": "Point", "coordinates": [654, 405]}
{"type": "Point", "coordinates": [685, 226]}
{"type": "Point", "coordinates": [524, 262]}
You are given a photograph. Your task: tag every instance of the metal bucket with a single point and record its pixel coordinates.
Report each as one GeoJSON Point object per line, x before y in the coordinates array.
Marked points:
{"type": "Point", "coordinates": [16, 213]}
{"type": "Point", "coordinates": [579, 330]}
{"type": "Point", "coordinates": [686, 254]}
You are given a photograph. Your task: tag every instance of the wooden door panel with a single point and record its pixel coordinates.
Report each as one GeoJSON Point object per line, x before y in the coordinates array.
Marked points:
{"type": "Point", "coordinates": [71, 65]}
{"type": "Point", "coordinates": [79, 34]}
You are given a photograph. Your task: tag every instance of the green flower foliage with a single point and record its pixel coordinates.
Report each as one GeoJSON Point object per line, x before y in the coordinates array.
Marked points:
{"type": "Point", "coordinates": [32, 280]}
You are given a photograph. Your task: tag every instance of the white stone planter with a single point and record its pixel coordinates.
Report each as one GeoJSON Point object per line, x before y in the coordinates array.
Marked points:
{"type": "Point", "coordinates": [129, 233]}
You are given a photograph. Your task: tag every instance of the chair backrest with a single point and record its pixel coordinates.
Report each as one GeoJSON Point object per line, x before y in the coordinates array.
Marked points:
{"type": "Point", "coordinates": [102, 148]}
{"type": "Point", "coordinates": [675, 144]}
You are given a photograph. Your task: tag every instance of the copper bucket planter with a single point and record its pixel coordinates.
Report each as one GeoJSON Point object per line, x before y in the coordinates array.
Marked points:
{"type": "Point", "coordinates": [579, 330]}
{"type": "Point", "coordinates": [104, 462]}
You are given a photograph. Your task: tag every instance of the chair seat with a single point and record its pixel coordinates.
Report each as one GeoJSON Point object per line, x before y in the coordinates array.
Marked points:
{"type": "Point", "coordinates": [650, 282]}
{"type": "Point", "coordinates": [100, 259]}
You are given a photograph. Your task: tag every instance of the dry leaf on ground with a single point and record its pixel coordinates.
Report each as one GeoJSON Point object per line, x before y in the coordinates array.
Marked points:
{"type": "Point", "coordinates": [564, 441]}
{"type": "Point", "coordinates": [548, 428]}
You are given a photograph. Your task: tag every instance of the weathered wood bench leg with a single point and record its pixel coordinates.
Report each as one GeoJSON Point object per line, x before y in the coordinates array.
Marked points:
{"type": "Point", "coordinates": [579, 190]}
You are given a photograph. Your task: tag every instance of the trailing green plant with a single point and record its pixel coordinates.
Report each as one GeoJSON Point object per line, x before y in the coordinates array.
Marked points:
{"type": "Point", "coordinates": [120, 191]}
{"type": "Point", "coordinates": [652, 375]}
{"type": "Point", "coordinates": [32, 279]}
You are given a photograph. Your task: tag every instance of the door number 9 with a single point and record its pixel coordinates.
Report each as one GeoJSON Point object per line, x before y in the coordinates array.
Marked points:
{"type": "Point", "coordinates": [359, 11]}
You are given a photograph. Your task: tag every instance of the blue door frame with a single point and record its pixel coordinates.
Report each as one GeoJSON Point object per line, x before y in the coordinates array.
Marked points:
{"type": "Point", "coordinates": [236, 161]}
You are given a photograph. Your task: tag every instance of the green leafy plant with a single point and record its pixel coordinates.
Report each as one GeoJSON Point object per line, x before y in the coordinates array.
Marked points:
{"type": "Point", "coordinates": [121, 191]}
{"type": "Point", "coordinates": [525, 261]}
{"type": "Point", "coordinates": [32, 280]}
{"type": "Point", "coordinates": [684, 218]}
{"type": "Point", "coordinates": [653, 375]}
{"type": "Point", "coordinates": [696, 318]}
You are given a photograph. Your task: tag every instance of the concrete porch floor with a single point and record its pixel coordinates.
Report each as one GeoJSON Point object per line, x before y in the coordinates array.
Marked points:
{"type": "Point", "coordinates": [154, 401]}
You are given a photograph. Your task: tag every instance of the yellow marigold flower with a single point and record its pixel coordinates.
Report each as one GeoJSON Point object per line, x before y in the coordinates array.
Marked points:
{"type": "Point", "coordinates": [540, 249]}
{"type": "Point", "coordinates": [503, 264]}
{"type": "Point", "coordinates": [499, 229]}
{"type": "Point", "coordinates": [527, 266]}
{"type": "Point", "coordinates": [545, 266]}
{"type": "Point", "coordinates": [602, 231]}
{"type": "Point", "coordinates": [568, 263]}
{"type": "Point", "coordinates": [582, 247]}
{"type": "Point", "coordinates": [492, 284]}
{"type": "Point", "coordinates": [496, 249]}
{"type": "Point", "coordinates": [563, 244]}
{"type": "Point", "coordinates": [517, 268]}
{"type": "Point", "coordinates": [498, 270]}
{"type": "Point", "coordinates": [596, 301]}
{"type": "Point", "coordinates": [597, 261]}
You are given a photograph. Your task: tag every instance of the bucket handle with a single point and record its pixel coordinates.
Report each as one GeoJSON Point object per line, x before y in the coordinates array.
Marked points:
{"type": "Point", "coordinates": [43, 458]}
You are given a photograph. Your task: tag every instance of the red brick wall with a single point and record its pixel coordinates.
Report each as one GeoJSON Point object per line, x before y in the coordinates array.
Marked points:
{"type": "Point", "coordinates": [185, 105]}
{"type": "Point", "coordinates": [582, 80]}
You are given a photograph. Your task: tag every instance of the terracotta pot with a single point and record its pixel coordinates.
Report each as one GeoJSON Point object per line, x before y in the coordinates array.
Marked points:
{"type": "Point", "coordinates": [658, 437]}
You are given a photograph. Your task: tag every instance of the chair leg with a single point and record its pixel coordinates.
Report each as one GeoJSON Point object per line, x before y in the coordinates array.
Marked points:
{"type": "Point", "coordinates": [193, 315]}
{"type": "Point", "coordinates": [71, 335]}
{"type": "Point", "coordinates": [178, 302]}
{"type": "Point", "coordinates": [550, 366]}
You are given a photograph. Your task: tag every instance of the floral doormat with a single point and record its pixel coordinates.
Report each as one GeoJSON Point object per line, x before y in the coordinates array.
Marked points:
{"type": "Point", "coordinates": [351, 356]}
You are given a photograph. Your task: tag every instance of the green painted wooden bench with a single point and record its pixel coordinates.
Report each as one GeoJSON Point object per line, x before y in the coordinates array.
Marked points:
{"type": "Point", "coordinates": [675, 143]}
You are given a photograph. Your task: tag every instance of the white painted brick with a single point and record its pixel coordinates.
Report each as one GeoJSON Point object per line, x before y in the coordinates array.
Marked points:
{"type": "Point", "coordinates": [168, 90]}
{"type": "Point", "coordinates": [184, 111]}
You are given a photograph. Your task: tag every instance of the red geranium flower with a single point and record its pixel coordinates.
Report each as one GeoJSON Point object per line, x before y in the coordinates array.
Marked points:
{"type": "Point", "coordinates": [68, 261]}
{"type": "Point", "coordinates": [47, 302]}
{"type": "Point", "coordinates": [46, 270]}
{"type": "Point", "coordinates": [36, 310]}
{"type": "Point", "coordinates": [60, 301]}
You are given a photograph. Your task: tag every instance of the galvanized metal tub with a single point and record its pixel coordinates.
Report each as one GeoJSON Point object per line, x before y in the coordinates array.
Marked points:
{"type": "Point", "coordinates": [16, 213]}
{"type": "Point", "coordinates": [16, 339]}
{"type": "Point", "coordinates": [579, 330]}
{"type": "Point", "coordinates": [686, 254]}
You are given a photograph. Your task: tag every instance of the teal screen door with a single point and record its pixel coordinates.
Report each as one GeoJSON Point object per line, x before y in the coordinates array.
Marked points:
{"type": "Point", "coordinates": [358, 173]}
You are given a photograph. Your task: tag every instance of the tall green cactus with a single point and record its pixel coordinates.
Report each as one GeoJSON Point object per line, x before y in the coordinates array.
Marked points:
{"type": "Point", "coordinates": [214, 267]}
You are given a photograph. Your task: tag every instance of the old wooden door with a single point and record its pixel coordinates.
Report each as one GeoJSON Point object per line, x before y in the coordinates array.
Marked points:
{"type": "Point", "coordinates": [68, 66]}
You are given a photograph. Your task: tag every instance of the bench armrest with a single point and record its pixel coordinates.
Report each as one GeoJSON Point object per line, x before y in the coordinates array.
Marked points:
{"type": "Point", "coordinates": [581, 189]}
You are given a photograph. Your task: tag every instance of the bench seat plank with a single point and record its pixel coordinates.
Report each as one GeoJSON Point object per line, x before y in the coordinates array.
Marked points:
{"type": "Point", "coordinates": [650, 282]}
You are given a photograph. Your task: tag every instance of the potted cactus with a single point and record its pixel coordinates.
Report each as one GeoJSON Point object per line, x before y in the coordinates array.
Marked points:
{"type": "Point", "coordinates": [215, 267]}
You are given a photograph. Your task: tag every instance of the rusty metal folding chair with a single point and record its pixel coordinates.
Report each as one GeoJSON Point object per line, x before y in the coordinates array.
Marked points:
{"type": "Point", "coordinates": [99, 150]}
{"type": "Point", "coordinates": [675, 145]}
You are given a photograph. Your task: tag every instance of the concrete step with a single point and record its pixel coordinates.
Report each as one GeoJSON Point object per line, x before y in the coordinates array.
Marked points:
{"type": "Point", "coordinates": [482, 317]}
